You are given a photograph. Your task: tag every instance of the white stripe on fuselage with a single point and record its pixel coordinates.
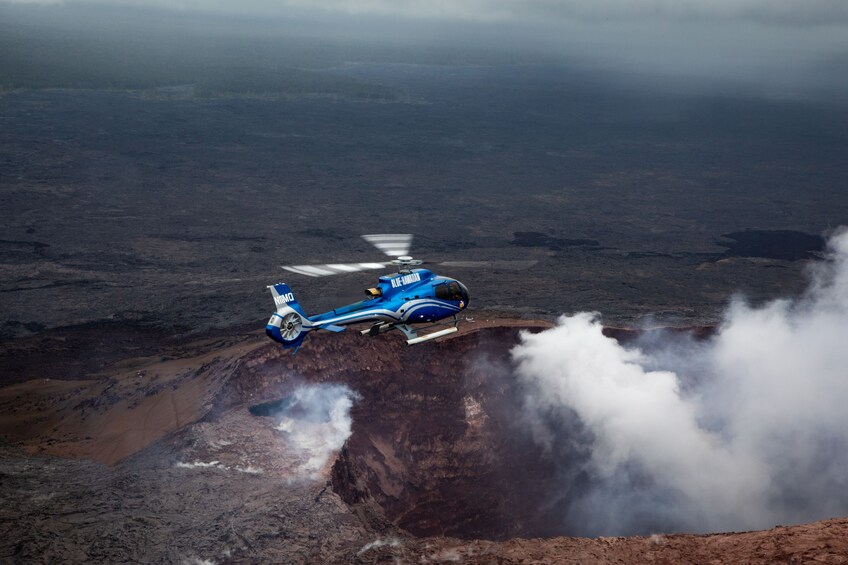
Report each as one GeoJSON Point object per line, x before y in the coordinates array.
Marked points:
{"type": "Point", "coordinates": [385, 314]}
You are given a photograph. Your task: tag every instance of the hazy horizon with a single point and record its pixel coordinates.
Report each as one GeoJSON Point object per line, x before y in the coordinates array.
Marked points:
{"type": "Point", "coordinates": [762, 50]}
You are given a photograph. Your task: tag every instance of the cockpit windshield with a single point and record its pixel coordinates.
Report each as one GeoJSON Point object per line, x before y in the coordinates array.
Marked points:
{"type": "Point", "coordinates": [452, 290]}
{"type": "Point", "coordinates": [465, 295]}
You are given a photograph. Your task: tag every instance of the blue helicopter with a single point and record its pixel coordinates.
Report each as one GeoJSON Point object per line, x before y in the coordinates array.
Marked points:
{"type": "Point", "coordinates": [409, 296]}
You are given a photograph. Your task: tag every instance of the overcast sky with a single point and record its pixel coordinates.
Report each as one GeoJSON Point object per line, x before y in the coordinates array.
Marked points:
{"type": "Point", "coordinates": [789, 43]}
{"type": "Point", "coordinates": [783, 12]}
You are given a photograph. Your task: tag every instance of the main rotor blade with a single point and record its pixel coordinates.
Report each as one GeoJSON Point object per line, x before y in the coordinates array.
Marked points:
{"type": "Point", "coordinates": [392, 244]}
{"type": "Point", "coordinates": [332, 268]}
{"type": "Point", "coordinates": [507, 265]}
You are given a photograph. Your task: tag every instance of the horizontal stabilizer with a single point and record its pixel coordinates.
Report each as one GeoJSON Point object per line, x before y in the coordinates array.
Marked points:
{"type": "Point", "coordinates": [332, 328]}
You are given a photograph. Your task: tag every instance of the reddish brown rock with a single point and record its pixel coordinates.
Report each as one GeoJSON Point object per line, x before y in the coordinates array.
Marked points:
{"type": "Point", "coordinates": [438, 467]}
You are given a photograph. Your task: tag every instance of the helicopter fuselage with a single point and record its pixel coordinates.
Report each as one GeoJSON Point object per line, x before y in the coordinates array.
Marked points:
{"type": "Point", "coordinates": [409, 297]}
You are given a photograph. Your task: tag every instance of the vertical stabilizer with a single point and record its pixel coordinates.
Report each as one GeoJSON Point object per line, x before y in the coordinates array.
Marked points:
{"type": "Point", "coordinates": [289, 324]}
{"type": "Point", "coordinates": [284, 297]}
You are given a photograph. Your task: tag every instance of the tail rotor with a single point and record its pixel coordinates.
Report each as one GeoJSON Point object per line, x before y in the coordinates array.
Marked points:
{"type": "Point", "coordinates": [290, 326]}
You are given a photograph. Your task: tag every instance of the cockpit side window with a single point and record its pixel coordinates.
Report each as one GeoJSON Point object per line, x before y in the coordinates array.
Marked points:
{"type": "Point", "coordinates": [455, 291]}
{"type": "Point", "coordinates": [443, 292]}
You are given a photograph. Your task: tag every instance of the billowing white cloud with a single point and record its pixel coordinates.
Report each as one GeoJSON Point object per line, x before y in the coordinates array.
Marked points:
{"type": "Point", "coordinates": [745, 431]}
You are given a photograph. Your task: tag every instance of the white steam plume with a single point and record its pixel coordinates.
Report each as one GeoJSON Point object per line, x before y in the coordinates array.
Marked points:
{"type": "Point", "coordinates": [745, 431]}
{"type": "Point", "coordinates": [317, 422]}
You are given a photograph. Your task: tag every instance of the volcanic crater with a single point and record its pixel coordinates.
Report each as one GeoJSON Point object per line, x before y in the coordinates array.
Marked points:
{"type": "Point", "coordinates": [436, 440]}
{"type": "Point", "coordinates": [439, 463]}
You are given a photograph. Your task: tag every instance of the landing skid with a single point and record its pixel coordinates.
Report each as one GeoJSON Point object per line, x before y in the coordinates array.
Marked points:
{"type": "Point", "coordinates": [412, 336]}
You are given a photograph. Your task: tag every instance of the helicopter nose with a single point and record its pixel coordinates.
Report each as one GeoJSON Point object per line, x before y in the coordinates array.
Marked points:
{"type": "Point", "coordinates": [465, 296]}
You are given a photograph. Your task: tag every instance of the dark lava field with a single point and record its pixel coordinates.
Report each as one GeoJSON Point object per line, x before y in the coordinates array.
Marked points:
{"type": "Point", "coordinates": [177, 213]}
